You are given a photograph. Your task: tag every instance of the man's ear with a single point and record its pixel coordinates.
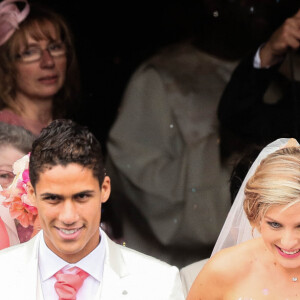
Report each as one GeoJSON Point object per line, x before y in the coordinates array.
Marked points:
{"type": "Point", "coordinates": [105, 189]}
{"type": "Point", "coordinates": [31, 193]}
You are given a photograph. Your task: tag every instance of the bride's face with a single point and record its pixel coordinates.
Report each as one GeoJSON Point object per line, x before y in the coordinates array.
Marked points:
{"type": "Point", "coordinates": [280, 230]}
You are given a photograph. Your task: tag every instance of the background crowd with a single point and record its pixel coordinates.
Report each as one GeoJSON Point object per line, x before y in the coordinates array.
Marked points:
{"type": "Point", "coordinates": [152, 78]}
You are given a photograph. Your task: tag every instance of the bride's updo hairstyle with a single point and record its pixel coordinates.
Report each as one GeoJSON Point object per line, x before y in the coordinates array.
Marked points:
{"type": "Point", "coordinates": [276, 181]}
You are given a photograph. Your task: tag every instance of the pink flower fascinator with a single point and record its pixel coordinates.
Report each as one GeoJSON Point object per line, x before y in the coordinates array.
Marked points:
{"type": "Point", "coordinates": [10, 18]}
{"type": "Point", "coordinates": [15, 196]}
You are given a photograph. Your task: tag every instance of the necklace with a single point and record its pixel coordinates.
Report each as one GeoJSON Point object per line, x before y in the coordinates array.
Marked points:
{"type": "Point", "coordinates": [295, 279]}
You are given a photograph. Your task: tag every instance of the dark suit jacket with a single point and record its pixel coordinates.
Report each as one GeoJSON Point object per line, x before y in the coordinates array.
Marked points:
{"type": "Point", "coordinates": [243, 108]}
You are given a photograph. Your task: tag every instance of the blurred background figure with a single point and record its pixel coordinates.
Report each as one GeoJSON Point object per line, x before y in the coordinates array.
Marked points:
{"type": "Point", "coordinates": [165, 158]}
{"type": "Point", "coordinates": [239, 171]}
{"type": "Point", "coordinates": [39, 77]}
{"type": "Point", "coordinates": [15, 142]}
{"type": "Point", "coordinates": [261, 101]}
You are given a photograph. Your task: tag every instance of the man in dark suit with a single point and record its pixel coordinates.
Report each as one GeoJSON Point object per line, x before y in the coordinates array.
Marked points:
{"type": "Point", "coordinates": [260, 103]}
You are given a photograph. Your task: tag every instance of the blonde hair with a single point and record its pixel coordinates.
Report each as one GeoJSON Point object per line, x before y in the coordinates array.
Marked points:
{"type": "Point", "coordinates": [37, 25]}
{"type": "Point", "coordinates": [276, 181]}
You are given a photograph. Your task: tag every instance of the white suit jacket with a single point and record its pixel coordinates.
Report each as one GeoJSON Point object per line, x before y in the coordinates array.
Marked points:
{"type": "Point", "coordinates": [128, 275]}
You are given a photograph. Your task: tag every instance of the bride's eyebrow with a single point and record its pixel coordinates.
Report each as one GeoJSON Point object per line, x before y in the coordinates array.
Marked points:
{"type": "Point", "coordinates": [271, 219]}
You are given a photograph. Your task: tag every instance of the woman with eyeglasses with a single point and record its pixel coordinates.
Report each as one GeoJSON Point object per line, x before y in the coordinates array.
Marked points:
{"type": "Point", "coordinates": [39, 78]}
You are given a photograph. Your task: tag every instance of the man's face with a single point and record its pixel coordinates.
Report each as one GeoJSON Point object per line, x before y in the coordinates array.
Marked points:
{"type": "Point", "coordinates": [69, 199]}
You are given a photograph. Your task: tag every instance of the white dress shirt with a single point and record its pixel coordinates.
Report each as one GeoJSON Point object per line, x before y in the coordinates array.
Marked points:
{"type": "Point", "coordinates": [50, 263]}
{"type": "Point", "coordinates": [257, 60]}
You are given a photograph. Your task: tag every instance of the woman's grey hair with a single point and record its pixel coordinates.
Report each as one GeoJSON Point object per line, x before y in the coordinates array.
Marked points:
{"type": "Point", "coordinates": [16, 136]}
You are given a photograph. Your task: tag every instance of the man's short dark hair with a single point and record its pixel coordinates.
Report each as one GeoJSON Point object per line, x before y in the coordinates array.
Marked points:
{"type": "Point", "coordinates": [64, 142]}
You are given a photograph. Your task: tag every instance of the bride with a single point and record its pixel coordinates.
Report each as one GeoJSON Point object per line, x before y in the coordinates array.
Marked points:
{"type": "Point", "coordinates": [265, 261]}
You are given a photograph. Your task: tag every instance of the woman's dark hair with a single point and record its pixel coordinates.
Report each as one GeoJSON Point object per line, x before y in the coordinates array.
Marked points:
{"type": "Point", "coordinates": [241, 169]}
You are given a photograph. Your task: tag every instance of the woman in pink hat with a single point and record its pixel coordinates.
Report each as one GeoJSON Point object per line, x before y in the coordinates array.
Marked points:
{"type": "Point", "coordinates": [39, 76]}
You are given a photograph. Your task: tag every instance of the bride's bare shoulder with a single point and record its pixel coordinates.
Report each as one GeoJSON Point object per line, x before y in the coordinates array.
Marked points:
{"type": "Point", "coordinates": [223, 270]}
{"type": "Point", "coordinates": [233, 258]}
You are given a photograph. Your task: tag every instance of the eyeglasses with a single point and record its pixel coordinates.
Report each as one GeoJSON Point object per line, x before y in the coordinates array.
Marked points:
{"type": "Point", "coordinates": [6, 178]}
{"type": "Point", "coordinates": [34, 53]}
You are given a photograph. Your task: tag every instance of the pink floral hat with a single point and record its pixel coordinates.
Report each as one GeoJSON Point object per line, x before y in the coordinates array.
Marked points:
{"type": "Point", "coordinates": [10, 18]}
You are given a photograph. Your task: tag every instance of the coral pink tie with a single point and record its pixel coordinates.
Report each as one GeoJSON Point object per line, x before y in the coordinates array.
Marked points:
{"type": "Point", "coordinates": [68, 284]}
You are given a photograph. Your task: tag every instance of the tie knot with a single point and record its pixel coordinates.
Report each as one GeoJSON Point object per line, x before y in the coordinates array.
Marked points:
{"type": "Point", "coordinates": [68, 284]}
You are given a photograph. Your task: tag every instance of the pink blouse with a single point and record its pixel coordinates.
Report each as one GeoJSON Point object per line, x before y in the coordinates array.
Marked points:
{"type": "Point", "coordinates": [10, 117]}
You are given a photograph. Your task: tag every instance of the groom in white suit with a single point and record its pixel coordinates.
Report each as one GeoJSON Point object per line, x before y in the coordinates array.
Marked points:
{"type": "Point", "coordinates": [68, 186]}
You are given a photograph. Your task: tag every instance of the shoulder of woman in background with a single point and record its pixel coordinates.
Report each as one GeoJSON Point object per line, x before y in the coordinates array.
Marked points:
{"type": "Point", "coordinates": [7, 116]}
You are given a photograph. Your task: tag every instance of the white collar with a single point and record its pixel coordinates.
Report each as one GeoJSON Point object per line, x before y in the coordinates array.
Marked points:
{"type": "Point", "coordinates": [50, 263]}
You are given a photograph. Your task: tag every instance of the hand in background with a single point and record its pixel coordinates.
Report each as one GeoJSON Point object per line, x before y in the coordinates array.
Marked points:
{"type": "Point", "coordinates": [286, 37]}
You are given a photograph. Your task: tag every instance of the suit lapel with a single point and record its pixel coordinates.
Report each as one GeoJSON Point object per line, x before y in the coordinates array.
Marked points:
{"type": "Point", "coordinates": [115, 270]}
{"type": "Point", "coordinates": [28, 273]}
{"type": "Point", "coordinates": [39, 291]}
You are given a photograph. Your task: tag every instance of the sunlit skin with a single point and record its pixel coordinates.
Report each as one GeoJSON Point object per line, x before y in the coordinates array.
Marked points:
{"type": "Point", "coordinates": [69, 200]}
{"type": "Point", "coordinates": [40, 80]}
{"type": "Point", "coordinates": [8, 155]}
{"type": "Point", "coordinates": [260, 268]}
{"type": "Point", "coordinates": [280, 229]}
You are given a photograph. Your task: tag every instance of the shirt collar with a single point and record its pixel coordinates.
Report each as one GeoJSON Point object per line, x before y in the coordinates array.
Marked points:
{"type": "Point", "coordinates": [50, 263]}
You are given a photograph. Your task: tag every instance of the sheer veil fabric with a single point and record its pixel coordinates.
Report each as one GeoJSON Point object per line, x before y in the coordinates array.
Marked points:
{"type": "Point", "coordinates": [237, 228]}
